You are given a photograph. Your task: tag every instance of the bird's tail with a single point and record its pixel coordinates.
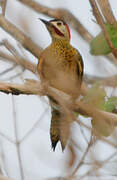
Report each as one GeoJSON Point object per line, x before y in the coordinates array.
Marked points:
{"type": "Point", "coordinates": [59, 130]}
{"type": "Point", "coordinates": [54, 128]}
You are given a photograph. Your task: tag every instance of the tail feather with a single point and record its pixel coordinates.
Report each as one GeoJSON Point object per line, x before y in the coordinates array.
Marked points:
{"type": "Point", "coordinates": [54, 143]}
{"type": "Point", "coordinates": [54, 129]}
{"type": "Point", "coordinates": [59, 130]}
{"type": "Point", "coordinates": [64, 132]}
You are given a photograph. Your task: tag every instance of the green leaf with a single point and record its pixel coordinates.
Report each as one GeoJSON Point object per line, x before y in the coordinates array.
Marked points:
{"type": "Point", "coordinates": [99, 45]}
{"type": "Point", "coordinates": [96, 96]}
{"type": "Point", "coordinates": [103, 127]}
{"type": "Point", "coordinates": [76, 114]}
{"type": "Point", "coordinates": [110, 104]}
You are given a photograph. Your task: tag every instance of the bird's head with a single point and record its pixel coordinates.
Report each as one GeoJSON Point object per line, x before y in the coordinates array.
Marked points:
{"type": "Point", "coordinates": [58, 29]}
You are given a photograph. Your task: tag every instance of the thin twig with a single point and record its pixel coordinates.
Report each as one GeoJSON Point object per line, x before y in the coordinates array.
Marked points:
{"type": "Point", "coordinates": [7, 138]}
{"type": "Point", "coordinates": [17, 142]}
{"type": "Point", "coordinates": [34, 126]}
{"type": "Point", "coordinates": [7, 70]}
{"type": "Point", "coordinates": [83, 157]}
{"type": "Point", "coordinates": [103, 139]}
{"type": "Point", "coordinates": [107, 81]}
{"type": "Point", "coordinates": [97, 166]}
{"type": "Point", "coordinates": [18, 58]}
{"type": "Point", "coordinates": [3, 166]}
{"type": "Point", "coordinates": [14, 76]}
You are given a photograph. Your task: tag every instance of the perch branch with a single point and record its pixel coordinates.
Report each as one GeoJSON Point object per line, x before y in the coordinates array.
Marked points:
{"type": "Point", "coordinates": [17, 89]}
{"type": "Point", "coordinates": [34, 87]}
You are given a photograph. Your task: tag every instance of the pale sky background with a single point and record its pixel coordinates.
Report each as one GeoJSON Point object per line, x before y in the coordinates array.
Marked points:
{"type": "Point", "coordinates": [39, 161]}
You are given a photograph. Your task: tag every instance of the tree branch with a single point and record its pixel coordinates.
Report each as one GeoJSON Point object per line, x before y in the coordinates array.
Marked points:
{"type": "Point", "coordinates": [18, 58]}
{"type": "Point", "coordinates": [107, 11]}
{"type": "Point", "coordinates": [107, 81]}
{"type": "Point", "coordinates": [20, 36]}
{"type": "Point", "coordinates": [29, 88]}
{"type": "Point", "coordinates": [3, 6]}
{"type": "Point", "coordinates": [35, 88]}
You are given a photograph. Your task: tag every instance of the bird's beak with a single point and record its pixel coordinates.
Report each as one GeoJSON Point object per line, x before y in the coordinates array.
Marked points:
{"type": "Point", "coordinates": [47, 23]}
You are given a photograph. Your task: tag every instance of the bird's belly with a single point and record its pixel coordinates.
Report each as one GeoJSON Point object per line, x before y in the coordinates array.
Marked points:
{"type": "Point", "coordinates": [62, 80]}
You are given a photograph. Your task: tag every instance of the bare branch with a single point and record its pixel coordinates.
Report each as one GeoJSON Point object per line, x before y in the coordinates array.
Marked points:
{"type": "Point", "coordinates": [96, 113]}
{"type": "Point", "coordinates": [107, 81]}
{"type": "Point", "coordinates": [7, 70]}
{"type": "Point", "coordinates": [17, 142]}
{"type": "Point", "coordinates": [20, 36]}
{"type": "Point", "coordinates": [3, 6]}
{"type": "Point", "coordinates": [34, 87]}
{"type": "Point", "coordinates": [34, 126]}
{"type": "Point", "coordinates": [107, 11]}
{"type": "Point", "coordinates": [83, 157]}
{"type": "Point", "coordinates": [30, 87]}
{"type": "Point", "coordinates": [18, 58]}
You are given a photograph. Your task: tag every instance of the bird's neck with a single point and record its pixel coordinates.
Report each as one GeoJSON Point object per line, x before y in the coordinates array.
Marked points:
{"type": "Point", "coordinates": [60, 42]}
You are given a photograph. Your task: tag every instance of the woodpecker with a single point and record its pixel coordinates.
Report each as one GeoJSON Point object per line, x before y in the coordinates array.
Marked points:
{"type": "Point", "coordinates": [61, 65]}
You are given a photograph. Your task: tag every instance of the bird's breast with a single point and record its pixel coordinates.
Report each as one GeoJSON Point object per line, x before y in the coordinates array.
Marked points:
{"type": "Point", "coordinates": [61, 72]}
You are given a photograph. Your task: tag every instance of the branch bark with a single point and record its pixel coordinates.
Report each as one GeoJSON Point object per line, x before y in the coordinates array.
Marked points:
{"type": "Point", "coordinates": [107, 12]}
{"type": "Point", "coordinates": [20, 36]}
{"type": "Point", "coordinates": [18, 58]}
{"type": "Point", "coordinates": [107, 81]}
{"type": "Point", "coordinates": [32, 87]}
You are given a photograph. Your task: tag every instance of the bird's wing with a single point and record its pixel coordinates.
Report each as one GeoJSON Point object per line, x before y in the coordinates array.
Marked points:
{"type": "Point", "coordinates": [80, 66]}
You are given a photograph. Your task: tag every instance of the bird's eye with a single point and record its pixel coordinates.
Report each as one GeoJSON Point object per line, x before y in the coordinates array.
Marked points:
{"type": "Point", "coordinates": [59, 23]}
